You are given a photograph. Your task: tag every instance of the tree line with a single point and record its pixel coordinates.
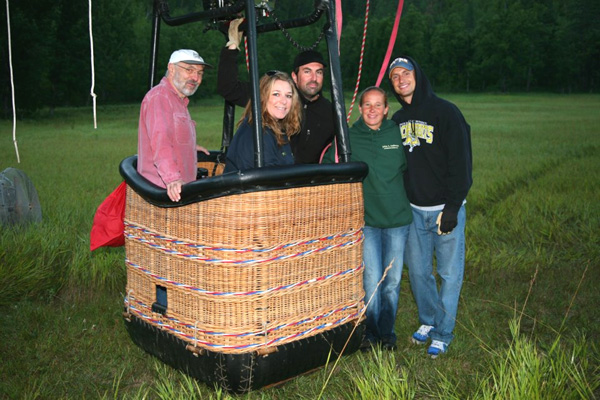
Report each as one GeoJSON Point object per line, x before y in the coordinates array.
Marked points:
{"type": "Point", "coordinates": [463, 45]}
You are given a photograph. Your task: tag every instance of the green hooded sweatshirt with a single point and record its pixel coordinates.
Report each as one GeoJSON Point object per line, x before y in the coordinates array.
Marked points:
{"type": "Point", "coordinates": [386, 204]}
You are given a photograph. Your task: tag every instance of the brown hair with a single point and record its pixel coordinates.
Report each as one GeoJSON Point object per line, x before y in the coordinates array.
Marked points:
{"type": "Point", "coordinates": [376, 89]}
{"type": "Point", "coordinates": [288, 126]}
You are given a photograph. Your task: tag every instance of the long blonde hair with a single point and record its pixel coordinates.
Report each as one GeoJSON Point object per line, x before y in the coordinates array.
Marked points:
{"type": "Point", "coordinates": [286, 127]}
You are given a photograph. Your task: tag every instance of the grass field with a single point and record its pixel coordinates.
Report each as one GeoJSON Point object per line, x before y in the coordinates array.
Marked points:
{"type": "Point", "coordinates": [527, 326]}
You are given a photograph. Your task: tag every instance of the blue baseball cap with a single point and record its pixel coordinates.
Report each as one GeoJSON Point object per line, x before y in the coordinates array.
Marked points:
{"type": "Point", "coordinates": [401, 62]}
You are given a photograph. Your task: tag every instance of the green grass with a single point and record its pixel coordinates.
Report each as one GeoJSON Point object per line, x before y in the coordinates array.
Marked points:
{"type": "Point", "coordinates": [527, 325]}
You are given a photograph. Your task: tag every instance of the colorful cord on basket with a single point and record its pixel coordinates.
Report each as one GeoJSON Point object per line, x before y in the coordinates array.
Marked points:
{"type": "Point", "coordinates": [178, 332]}
{"type": "Point", "coordinates": [227, 249]}
{"type": "Point", "coordinates": [254, 261]}
{"type": "Point", "coordinates": [250, 293]}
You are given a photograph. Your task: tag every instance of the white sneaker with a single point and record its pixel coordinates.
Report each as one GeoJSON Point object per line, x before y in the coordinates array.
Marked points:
{"type": "Point", "coordinates": [422, 334]}
{"type": "Point", "coordinates": [437, 347]}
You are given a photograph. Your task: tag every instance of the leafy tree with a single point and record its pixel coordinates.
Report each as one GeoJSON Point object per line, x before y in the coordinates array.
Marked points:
{"type": "Point", "coordinates": [451, 48]}
{"type": "Point", "coordinates": [33, 32]}
{"type": "Point", "coordinates": [414, 36]}
{"type": "Point", "coordinates": [120, 64]}
{"type": "Point", "coordinates": [462, 45]}
{"type": "Point", "coordinates": [575, 60]}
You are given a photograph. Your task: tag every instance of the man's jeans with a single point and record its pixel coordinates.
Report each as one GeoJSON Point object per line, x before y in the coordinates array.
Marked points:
{"type": "Point", "coordinates": [381, 247]}
{"type": "Point", "coordinates": [436, 307]}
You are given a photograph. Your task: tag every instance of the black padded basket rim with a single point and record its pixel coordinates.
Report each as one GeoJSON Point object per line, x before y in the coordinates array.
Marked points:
{"type": "Point", "coordinates": [253, 180]}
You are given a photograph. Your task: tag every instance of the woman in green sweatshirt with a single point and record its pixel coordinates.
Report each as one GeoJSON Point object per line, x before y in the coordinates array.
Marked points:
{"type": "Point", "coordinates": [376, 141]}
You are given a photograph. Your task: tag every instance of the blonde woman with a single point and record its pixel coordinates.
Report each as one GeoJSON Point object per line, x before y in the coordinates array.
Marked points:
{"type": "Point", "coordinates": [281, 117]}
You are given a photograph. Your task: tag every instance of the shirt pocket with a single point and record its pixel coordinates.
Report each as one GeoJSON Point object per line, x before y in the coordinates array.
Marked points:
{"type": "Point", "coordinates": [184, 128]}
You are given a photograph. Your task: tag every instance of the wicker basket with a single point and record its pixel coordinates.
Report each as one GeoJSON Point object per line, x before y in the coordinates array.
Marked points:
{"type": "Point", "coordinates": [252, 278]}
{"type": "Point", "coordinates": [213, 167]}
{"type": "Point", "coordinates": [243, 272]}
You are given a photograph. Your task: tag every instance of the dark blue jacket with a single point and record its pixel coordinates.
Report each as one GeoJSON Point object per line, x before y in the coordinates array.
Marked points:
{"type": "Point", "coordinates": [240, 155]}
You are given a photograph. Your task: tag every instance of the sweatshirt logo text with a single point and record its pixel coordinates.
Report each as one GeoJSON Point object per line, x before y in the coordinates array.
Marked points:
{"type": "Point", "coordinates": [413, 132]}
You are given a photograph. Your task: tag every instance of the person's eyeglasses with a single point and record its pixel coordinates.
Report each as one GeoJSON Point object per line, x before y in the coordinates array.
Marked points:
{"type": "Point", "coordinates": [272, 72]}
{"type": "Point", "coordinates": [192, 71]}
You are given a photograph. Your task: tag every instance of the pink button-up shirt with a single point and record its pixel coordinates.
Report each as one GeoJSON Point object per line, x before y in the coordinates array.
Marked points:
{"type": "Point", "coordinates": [166, 137]}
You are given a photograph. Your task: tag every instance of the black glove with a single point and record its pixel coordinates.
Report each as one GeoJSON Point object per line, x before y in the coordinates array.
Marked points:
{"type": "Point", "coordinates": [449, 219]}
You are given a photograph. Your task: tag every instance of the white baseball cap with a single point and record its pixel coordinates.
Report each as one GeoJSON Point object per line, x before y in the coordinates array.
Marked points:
{"type": "Point", "coordinates": [187, 56]}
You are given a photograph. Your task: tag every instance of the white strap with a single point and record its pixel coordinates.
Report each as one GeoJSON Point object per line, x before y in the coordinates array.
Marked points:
{"type": "Point", "coordinates": [12, 84]}
{"type": "Point", "coordinates": [92, 63]}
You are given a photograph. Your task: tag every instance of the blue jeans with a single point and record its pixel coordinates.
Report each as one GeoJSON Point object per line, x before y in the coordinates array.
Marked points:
{"type": "Point", "coordinates": [382, 246]}
{"type": "Point", "coordinates": [437, 307]}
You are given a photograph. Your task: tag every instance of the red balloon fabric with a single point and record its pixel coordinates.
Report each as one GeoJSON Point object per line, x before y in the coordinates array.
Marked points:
{"type": "Point", "coordinates": [108, 225]}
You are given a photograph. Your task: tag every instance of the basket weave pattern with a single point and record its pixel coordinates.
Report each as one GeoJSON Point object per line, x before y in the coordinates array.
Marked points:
{"type": "Point", "coordinates": [212, 167]}
{"type": "Point", "coordinates": [243, 272]}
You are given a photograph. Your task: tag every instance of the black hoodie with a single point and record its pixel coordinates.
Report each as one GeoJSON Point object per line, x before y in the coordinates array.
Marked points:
{"type": "Point", "coordinates": [437, 144]}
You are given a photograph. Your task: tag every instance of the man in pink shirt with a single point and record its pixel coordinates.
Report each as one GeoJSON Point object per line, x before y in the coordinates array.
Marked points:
{"type": "Point", "coordinates": [167, 134]}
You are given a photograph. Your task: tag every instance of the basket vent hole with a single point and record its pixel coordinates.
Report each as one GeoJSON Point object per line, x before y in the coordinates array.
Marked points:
{"type": "Point", "coordinates": [160, 306]}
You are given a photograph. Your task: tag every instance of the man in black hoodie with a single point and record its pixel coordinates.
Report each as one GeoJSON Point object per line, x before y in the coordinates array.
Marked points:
{"type": "Point", "coordinates": [437, 144]}
{"type": "Point", "coordinates": [318, 127]}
